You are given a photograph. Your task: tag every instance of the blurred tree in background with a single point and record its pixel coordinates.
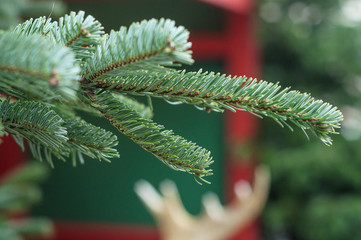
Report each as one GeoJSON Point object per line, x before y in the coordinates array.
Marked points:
{"type": "Point", "coordinates": [19, 191]}
{"type": "Point", "coordinates": [316, 190]}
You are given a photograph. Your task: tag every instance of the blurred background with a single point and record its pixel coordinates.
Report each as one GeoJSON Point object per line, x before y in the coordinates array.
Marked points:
{"type": "Point", "coordinates": [312, 46]}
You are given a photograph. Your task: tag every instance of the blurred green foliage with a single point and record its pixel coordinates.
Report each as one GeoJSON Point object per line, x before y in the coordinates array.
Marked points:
{"type": "Point", "coordinates": [336, 217]}
{"type": "Point", "coordinates": [314, 46]}
{"type": "Point", "coordinates": [18, 192]}
{"type": "Point", "coordinates": [13, 12]}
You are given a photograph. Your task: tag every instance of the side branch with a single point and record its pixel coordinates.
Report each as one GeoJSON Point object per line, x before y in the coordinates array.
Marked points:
{"type": "Point", "coordinates": [215, 92]}
{"type": "Point", "coordinates": [150, 45]}
{"type": "Point", "coordinates": [25, 72]}
{"type": "Point", "coordinates": [90, 140]}
{"type": "Point", "coordinates": [34, 122]}
{"type": "Point", "coordinates": [83, 32]}
{"type": "Point", "coordinates": [122, 63]}
{"type": "Point", "coordinates": [171, 149]}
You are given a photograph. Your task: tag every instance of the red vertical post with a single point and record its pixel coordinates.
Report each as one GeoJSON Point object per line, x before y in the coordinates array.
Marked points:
{"type": "Point", "coordinates": [11, 155]}
{"type": "Point", "coordinates": [241, 128]}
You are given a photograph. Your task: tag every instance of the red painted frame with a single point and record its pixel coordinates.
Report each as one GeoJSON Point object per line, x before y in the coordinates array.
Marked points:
{"type": "Point", "coordinates": [237, 47]}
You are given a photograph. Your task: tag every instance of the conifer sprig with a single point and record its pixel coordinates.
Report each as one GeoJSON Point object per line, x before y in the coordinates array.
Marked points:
{"type": "Point", "coordinates": [171, 149]}
{"type": "Point", "coordinates": [73, 30]}
{"type": "Point", "coordinates": [79, 33]}
{"type": "Point", "coordinates": [143, 110]}
{"type": "Point", "coordinates": [40, 126]}
{"type": "Point", "coordinates": [42, 26]}
{"type": "Point", "coordinates": [51, 74]}
{"type": "Point", "coordinates": [85, 138]}
{"type": "Point", "coordinates": [48, 134]}
{"type": "Point", "coordinates": [69, 65]}
{"type": "Point", "coordinates": [215, 92]}
{"type": "Point", "coordinates": [145, 45]}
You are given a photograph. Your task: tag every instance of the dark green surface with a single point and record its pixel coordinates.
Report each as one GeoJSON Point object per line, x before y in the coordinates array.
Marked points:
{"type": "Point", "coordinates": [99, 191]}
{"type": "Point", "coordinates": [190, 13]}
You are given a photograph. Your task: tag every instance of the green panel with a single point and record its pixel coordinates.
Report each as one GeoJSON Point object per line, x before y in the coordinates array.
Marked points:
{"type": "Point", "coordinates": [190, 13]}
{"type": "Point", "coordinates": [99, 191]}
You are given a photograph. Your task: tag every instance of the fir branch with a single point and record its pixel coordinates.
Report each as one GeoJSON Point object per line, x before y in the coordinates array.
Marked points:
{"type": "Point", "coordinates": [143, 110]}
{"type": "Point", "coordinates": [85, 138]}
{"type": "Point", "coordinates": [38, 124]}
{"type": "Point", "coordinates": [41, 26]}
{"type": "Point", "coordinates": [82, 35]}
{"type": "Point", "coordinates": [145, 45]}
{"type": "Point", "coordinates": [51, 74]}
{"type": "Point", "coordinates": [40, 60]}
{"type": "Point", "coordinates": [215, 91]}
{"type": "Point", "coordinates": [48, 134]}
{"type": "Point", "coordinates": [171, 149]}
